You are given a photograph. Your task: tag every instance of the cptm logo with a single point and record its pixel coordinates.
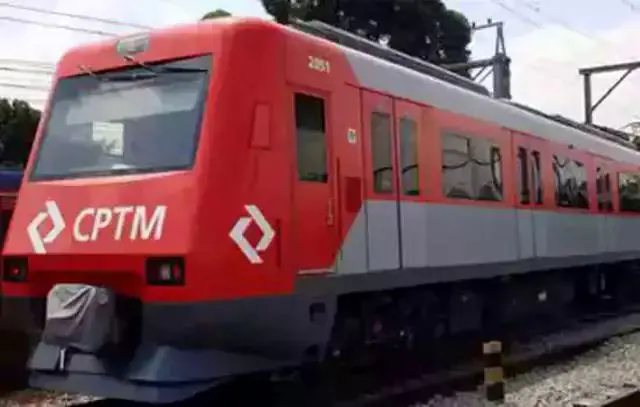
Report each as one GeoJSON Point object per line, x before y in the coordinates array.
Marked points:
{"type": "Point", "coordinates": [240, 227]}
{"type": "Point", "coordinates": [128, 222]}
{"type": "Point", "coordinates": [38, 241]}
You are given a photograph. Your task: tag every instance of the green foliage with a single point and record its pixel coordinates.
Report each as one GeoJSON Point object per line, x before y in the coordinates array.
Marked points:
{"type": "Point", "coordinates": [217, 13]}
{"type": "Point", "coordinates": [422, 28]}
{"type": "Point", "coordinates": [18, 125]}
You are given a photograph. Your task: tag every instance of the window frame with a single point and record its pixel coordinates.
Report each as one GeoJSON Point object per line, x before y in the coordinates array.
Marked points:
{"type": "Point", "coordinates": [391, 168]}
{"type": "Point", "coordinates": [583, 163]}
{"type": "Point", "coordinates": [325, 178]}
{"type": "Point", "coordinates": [415, 167]}
{"type": "Point", "coordinates": [470, 139]}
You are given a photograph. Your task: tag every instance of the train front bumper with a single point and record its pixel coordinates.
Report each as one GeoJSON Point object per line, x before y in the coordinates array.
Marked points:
{"type": "Point", "coordinates": [159, 352]}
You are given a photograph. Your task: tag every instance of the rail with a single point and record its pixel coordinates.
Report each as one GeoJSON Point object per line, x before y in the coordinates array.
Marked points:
{"type": "Point", "coordinates": [628, 398]}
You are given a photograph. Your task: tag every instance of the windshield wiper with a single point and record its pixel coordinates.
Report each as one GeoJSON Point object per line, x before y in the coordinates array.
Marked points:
{"type": "Point", "coordinates": [151, 73]}
{"type": "Point", "coordinates": [162, 69]}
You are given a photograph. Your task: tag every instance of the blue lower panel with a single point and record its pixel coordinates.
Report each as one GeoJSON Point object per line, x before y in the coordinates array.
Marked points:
{"type": "Point", "coordinates": [157, 374]}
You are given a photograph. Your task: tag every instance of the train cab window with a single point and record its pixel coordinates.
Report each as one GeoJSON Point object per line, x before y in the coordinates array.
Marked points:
{"type": "Point", "coordinates": [536, 178]}
{"type": "Point", "coordinates": [471, 168]}
{"type": "Point", "coordinates": [523, 170]}
{"type": "Point", "coordinates": [381, 153]}
{"type": "Point", "coordinates": [629, 189]}
{"type": "Point", "coordinates": [571, 183]}
{"type": "Point", "coordinates": [603, 190]}
{"type": "Point", "coordinates": [409, 156]}
{"type": "Point", "coordinates": [311, 138]}
{"type": "Point", "coordinates": [5, 219]}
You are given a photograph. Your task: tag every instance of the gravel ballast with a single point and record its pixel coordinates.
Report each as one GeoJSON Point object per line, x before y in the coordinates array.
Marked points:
{"type": "Point", "coordinates": [41, 398]}
{"type": "Point", "coordinates": [604, 371]}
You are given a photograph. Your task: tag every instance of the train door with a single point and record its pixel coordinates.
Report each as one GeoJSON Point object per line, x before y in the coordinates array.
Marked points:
{"type": "Point", "coordinates": [382, 204]}
{"type": "Point", "coordinates": [529, 191]}
{"type": "Point", "coordinates": [604, 198]}
{"type": "Point", "coordinates": [413, 215]}
{"type": "Point", "coordinates": [314, 205]}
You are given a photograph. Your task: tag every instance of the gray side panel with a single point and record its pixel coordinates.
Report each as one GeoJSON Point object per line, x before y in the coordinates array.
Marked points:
{"type": "Point", "coordinates": [438, 235]}
{"type": "Point", "coordinates": [352, 257]}
{"type": "Point", "coordinates": [604, 240]}
{"type": "Point", "coordinates": [540, 233]}
{"type": "Point", "coordinates": [568, 234]}
{"type": "Point", "coordinates": [469, 234]}
{"type": "Point", "coordinates": [382, 235]}
{"type": "Point", "coordinates": [405, 83]}
{"type": "Point", "coordinates": [526, 234]}
{"type": "Point", "coordinates": [624, 233]}
{"type": "Point", "coordinates": [414, 229]}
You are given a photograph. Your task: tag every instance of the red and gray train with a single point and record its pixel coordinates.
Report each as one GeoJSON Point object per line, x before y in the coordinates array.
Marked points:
{"type": "Point", "coordinates": [228, 197]}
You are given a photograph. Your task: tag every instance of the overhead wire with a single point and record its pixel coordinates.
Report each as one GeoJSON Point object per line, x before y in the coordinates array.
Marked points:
{"type": "Point", "coordinates": [500, 3]}
{"type": "Point", "coordinates": [23, 86]}
{"type": "Point", "coordinates": [629, 4]}
{"type": "Point", "coordinates": [25, 70]}
{"type": "Point", "coordinates": [43, 68]}
{"type": "Point", "coordinates": [523, 17]}
{"type": "Point", "coordinates": [58, 26]}
{"type": "Point", "coordinates": [73, 15]}
{"type": "Point", "coordinates": [598, 41]}
{"type": "Point", "coordinates": [42, 64]}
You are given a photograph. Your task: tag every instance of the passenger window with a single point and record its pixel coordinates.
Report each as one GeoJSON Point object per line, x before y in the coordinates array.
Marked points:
{"type": "Point", "coordinates": [409, 156]}
{"type": "Point", "coordinates": [603, 190]}
{"type": "Point", "coordinates": [471, 168]}
{"type": "Point", "coordinates": [629, 188]}
{"type": "Point", "coordinates": [571, 183]}
{"type": "Point", "coordinates": [536, 177]}
{"type": "Point", "coordinates": [311, 138]}
{"type": "Point", "coordinates": [381, 152]}
{"type": "Point", "coordinates": [523, 169]}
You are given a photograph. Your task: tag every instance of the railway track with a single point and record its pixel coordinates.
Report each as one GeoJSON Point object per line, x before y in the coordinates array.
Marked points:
{"type": "Point", "coordinates": [521, 356]}
{"type": "Point", "coordinates": [627, 398]}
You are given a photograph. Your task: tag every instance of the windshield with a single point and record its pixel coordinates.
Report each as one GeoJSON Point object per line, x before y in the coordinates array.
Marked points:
{"type": "Point", "coordinates": [126, 121]}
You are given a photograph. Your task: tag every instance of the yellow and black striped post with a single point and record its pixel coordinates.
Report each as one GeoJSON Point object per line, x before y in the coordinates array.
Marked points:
{"type": "Point", "coordinates": [493, 371]}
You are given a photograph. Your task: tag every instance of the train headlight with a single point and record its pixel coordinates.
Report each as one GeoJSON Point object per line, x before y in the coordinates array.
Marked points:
{"type": "Point", "coordinates": [14, 269]}
{"type": "Point", "coordinates": [165, 271]}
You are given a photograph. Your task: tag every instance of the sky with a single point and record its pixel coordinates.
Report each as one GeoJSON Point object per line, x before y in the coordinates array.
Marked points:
{"type": "Point", "coordinates": [547, 40]}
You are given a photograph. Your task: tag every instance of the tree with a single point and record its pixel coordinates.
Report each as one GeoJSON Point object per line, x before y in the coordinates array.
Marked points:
{"type": "Point", "coordinates": [217, 13]}
{"type": "Point", "coordinates": [18, 126]}
{"type": "Point", "coordinates": [422, 28]}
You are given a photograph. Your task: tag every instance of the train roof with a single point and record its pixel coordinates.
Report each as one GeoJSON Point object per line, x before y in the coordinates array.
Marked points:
{"type": "Point", "coordinates": [398, 74]}
{"type": "Point", "coordinates": [401, 75]}
{"type": "Point", "coordinates": [10, 179]}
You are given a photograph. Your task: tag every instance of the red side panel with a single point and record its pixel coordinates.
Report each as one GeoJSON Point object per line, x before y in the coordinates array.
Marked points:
{"type": "Point", "coordinates": [349, 163]}
{"type": "Point", "coordinates": [537, 156]}
{"type": "Point", "coordinates": [321, 215]}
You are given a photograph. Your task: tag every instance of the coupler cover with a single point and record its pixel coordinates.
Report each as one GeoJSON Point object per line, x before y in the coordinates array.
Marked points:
{"type": "Point", "coordinates": [80, 317]}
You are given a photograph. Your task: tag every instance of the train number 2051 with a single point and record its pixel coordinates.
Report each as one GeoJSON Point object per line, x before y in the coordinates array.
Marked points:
{"type": "Point", "coordinates": [319, 64]}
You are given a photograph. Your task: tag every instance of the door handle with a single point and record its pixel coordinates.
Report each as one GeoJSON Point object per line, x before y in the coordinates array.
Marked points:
{"type": "Point", "coordinates": [330, 212]}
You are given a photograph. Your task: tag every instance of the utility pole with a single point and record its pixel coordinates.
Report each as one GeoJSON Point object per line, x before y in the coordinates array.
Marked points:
{"type": "Point", "coordinates": [499, 64]}
{"type": "Point", "coordinates": [587, 73]}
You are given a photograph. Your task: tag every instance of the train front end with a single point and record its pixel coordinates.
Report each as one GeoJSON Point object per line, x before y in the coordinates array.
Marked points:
{"type": "Point", "coordinates": [117, 259]}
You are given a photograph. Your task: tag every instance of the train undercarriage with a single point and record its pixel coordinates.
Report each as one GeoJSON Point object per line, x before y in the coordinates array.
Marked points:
{"type": "Point", "coordinates": [404, 331]}
{"type": "Point", "coordinates": [441, 324]}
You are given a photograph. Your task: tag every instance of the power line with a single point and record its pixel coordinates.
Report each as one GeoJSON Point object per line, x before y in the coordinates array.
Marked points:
{"type": "Point", "coordinates": [511, 10]}
{"type": "Point", "coordinates": [528, 20]}
{"type": "Point", "coordinates": [41, 64]}
{"type": "Point", "coordinates": [72, 15]}
{"type": "Point", "coordinates": [629, 4]}
{"type": "Point", "coordinates": [21, 86]}
{"type": "Point", "coordinates": [58, 26]}
{"type": "Point", "coordinates": [25, 70]}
